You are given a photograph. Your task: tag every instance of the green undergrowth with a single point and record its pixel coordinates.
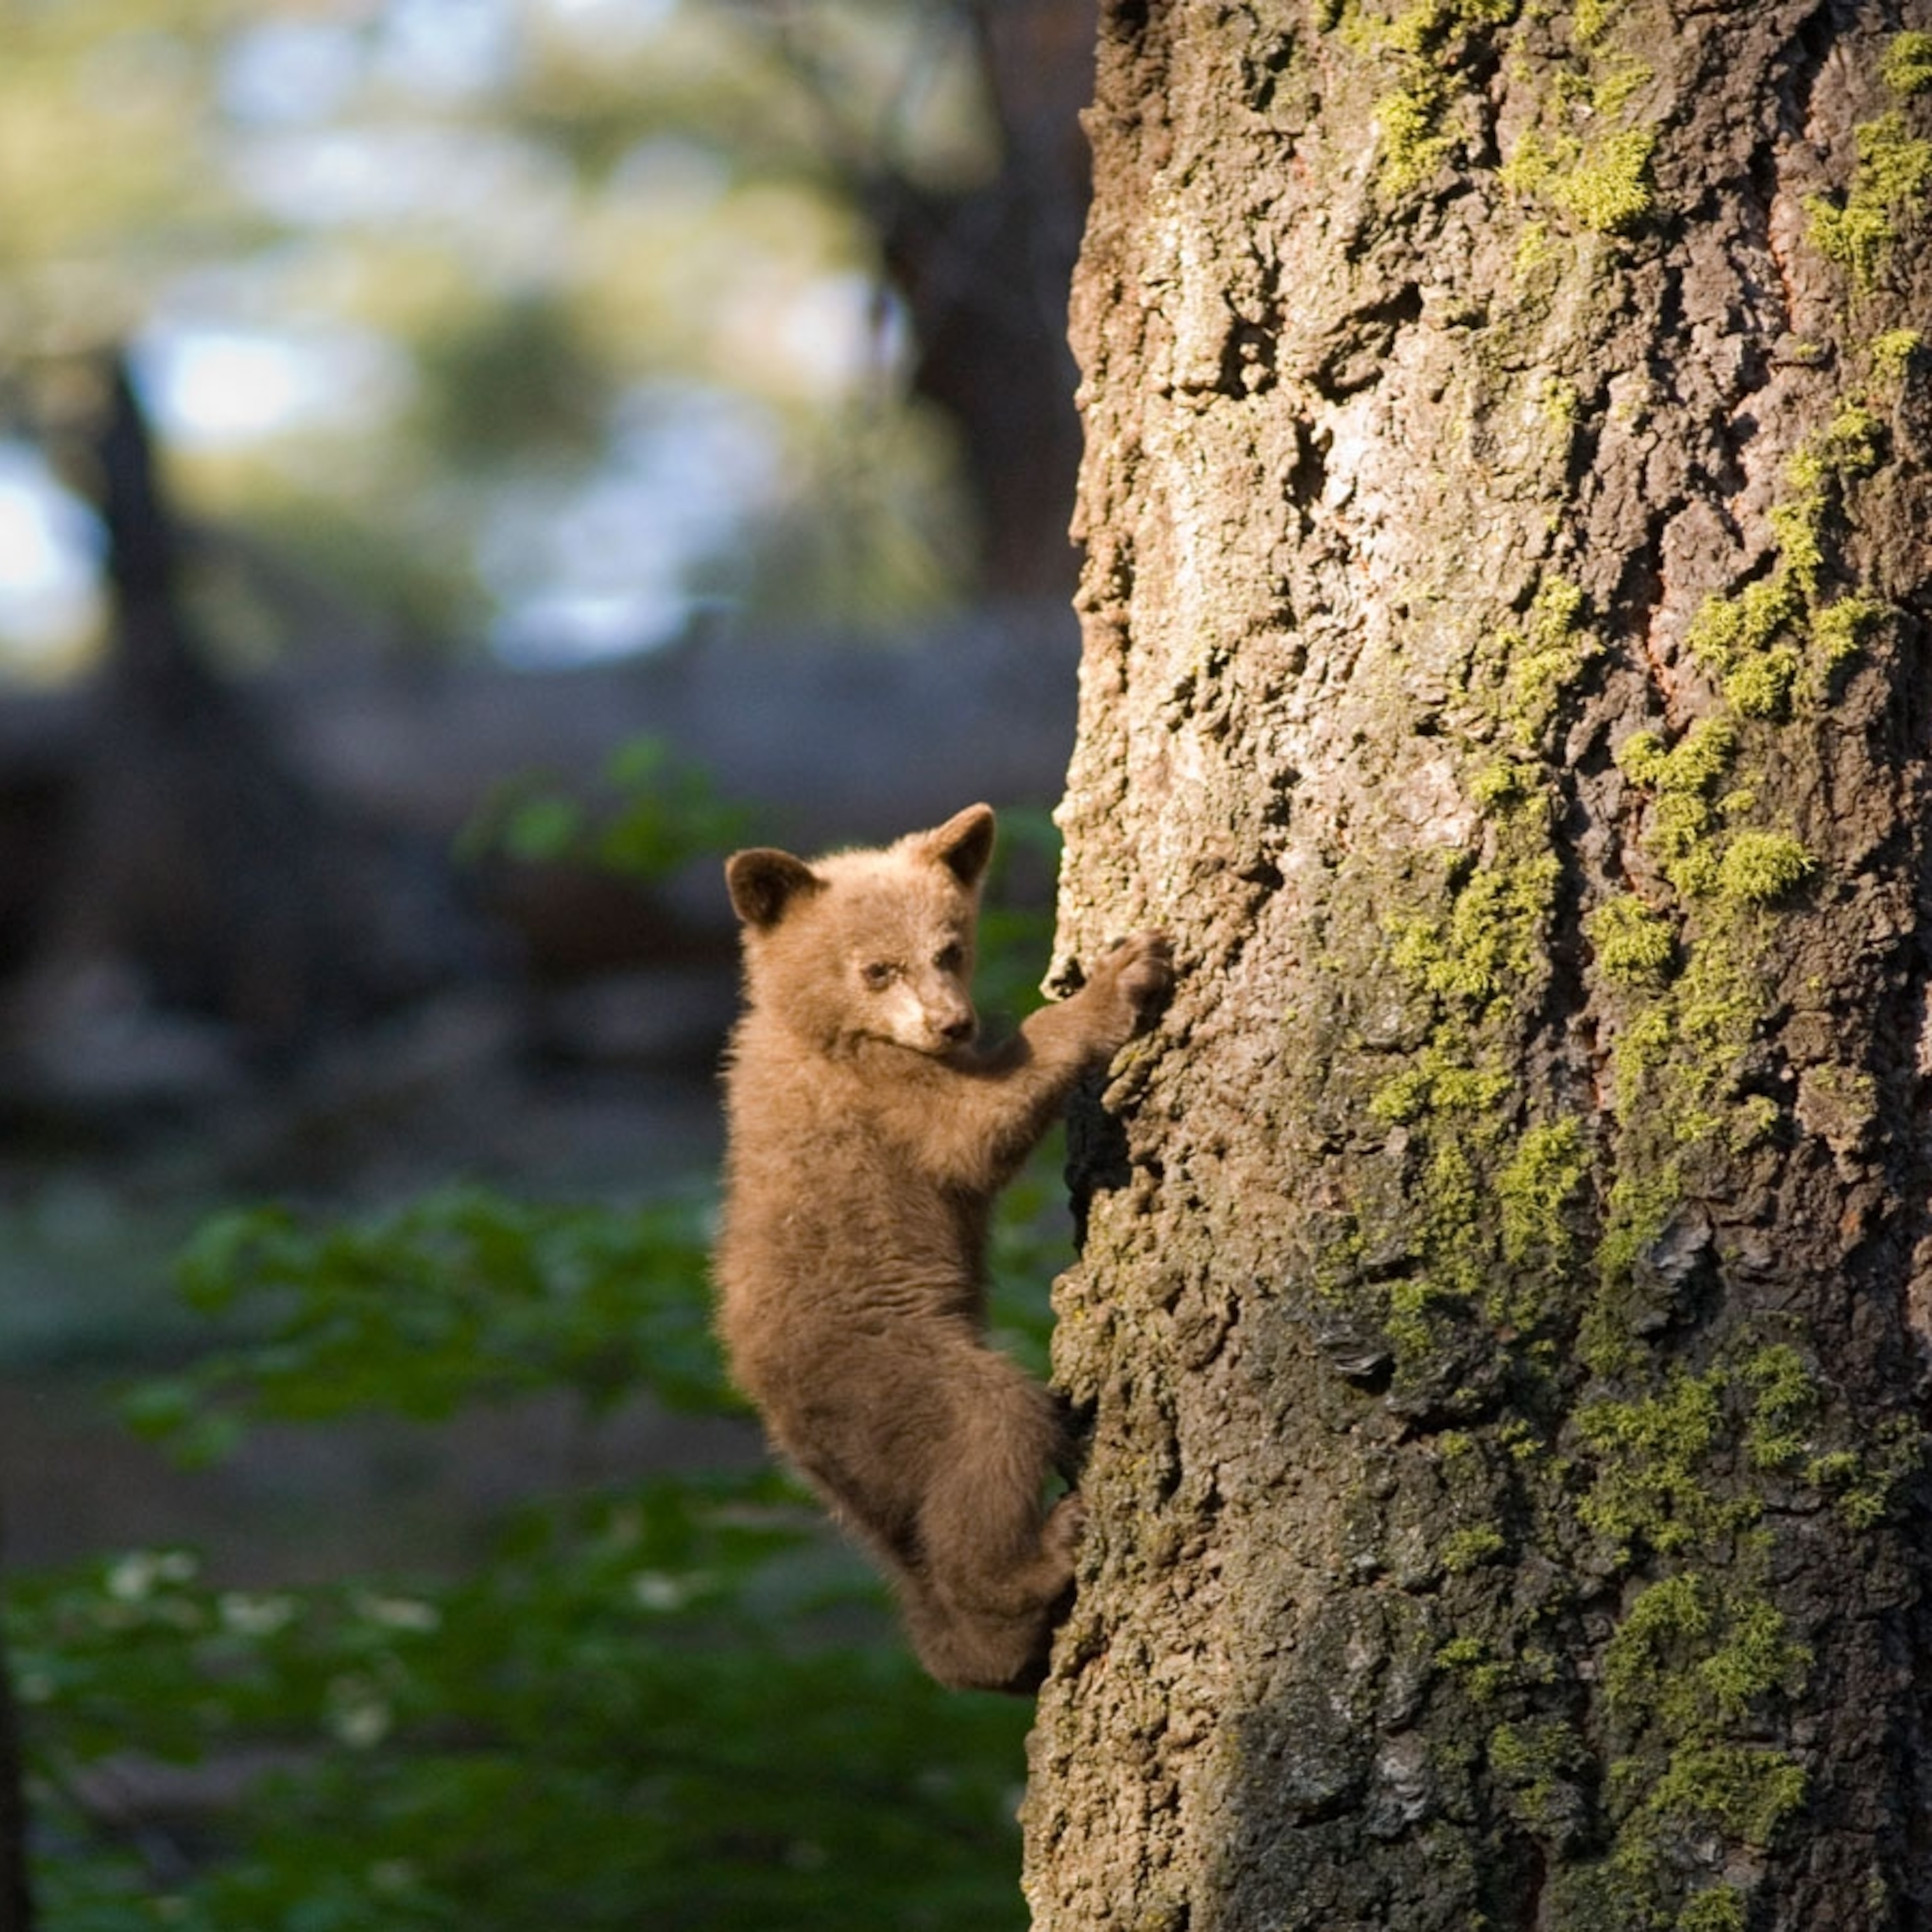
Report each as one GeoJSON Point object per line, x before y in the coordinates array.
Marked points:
{"type": "Point", "coordinates": [621, 1695]}
{"type": "Point", "coordinates": [727, 1737]}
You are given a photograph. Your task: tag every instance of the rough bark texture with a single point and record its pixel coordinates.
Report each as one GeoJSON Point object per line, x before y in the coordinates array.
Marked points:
{"type": "Point", "coordinates": [1506, 1277]}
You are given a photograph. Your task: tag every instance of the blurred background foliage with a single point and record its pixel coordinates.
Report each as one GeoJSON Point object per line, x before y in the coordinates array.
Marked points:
{"type": "Point", "coordinates": [675, 1702]}
{"type": "Point", "coordinates": [672, 1699]}
{"type": "Point", "coordinates": [456, 340]}
{"type": "Point", "coordinates": [546, 323]}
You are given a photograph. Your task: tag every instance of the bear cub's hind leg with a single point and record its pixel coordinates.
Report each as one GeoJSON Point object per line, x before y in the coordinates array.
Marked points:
{"type": "Point", "coordinates": [996, 1563]}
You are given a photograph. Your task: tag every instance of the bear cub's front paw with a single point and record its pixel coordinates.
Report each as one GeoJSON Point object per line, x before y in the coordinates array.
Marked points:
{"type": "Point", "coordinates": [1066, 1524]}
{"type": "Point", "coordinates": [1143, 967]}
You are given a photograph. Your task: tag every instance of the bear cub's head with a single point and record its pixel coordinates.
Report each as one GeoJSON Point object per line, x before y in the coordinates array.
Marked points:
{"type": "Point", "coordinates": [872, 945]}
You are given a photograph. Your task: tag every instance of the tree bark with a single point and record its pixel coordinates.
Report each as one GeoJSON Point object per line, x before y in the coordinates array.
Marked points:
{"type": "Point", "coordinates": [1506, 1277]}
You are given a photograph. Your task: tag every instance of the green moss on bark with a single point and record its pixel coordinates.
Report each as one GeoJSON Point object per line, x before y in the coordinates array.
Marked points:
{"type": "Point", "coordinates": [1429, 45]}
{"type": "Point", "coordinates": [1663, 1465]}
{"type": "Point", "coordinates": [1760, 868]}
{"type": "Point", "coordinates": [1606, 185]}
{"type": "Point", "coordinates": [1858, 234]}
{"type": "Point", "coordinates": [1648, 1492]}
{"type": "Point", "coordinates": [1634, 945]}
{"type": "Point", "coordinates": [1894, 170]}
{"type": "Point", "coordinates": [1523, 1264]}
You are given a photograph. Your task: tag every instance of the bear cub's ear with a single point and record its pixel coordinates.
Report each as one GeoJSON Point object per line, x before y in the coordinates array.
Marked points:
{"type": "Point", "coordinates": [763, 882]}
{"type": "Point", "coordinates": [964, 843]}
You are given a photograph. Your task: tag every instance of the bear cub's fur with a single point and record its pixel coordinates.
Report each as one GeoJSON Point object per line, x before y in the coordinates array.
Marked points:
{"type": "Point", "coordinates": [868, 1134]}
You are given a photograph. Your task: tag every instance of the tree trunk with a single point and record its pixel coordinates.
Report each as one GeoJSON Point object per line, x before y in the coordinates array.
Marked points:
{"type": "Point", "coordinates": [1507, 1275]}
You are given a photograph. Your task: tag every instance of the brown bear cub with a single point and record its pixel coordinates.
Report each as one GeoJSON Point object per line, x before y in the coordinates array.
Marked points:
{"type": "Point", "coordinates": [868, 1134]}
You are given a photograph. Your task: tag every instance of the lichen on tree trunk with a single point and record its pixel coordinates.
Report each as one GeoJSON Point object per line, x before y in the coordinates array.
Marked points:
{"type": "Point", "coordinates": [1507, 1275]}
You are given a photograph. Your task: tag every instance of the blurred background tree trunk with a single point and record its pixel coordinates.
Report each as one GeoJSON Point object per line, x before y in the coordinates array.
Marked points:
{"type": "Point", "coordinates": [1502, 1312]}
{"type": "Point", "coordinates": [200, 864]}
{"type": "Point", "coordinates": [985, 272]}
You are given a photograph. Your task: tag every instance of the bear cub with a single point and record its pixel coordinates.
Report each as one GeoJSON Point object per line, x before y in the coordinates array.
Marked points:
{"type": "Point", "coordinates": [868, 1135]}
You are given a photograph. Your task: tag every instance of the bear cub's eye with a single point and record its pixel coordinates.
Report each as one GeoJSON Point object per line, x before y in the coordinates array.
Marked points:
{"type": "Point", "coordinates": [952, 959]}
{"type": "Point", "coordinates": [878, 975]}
